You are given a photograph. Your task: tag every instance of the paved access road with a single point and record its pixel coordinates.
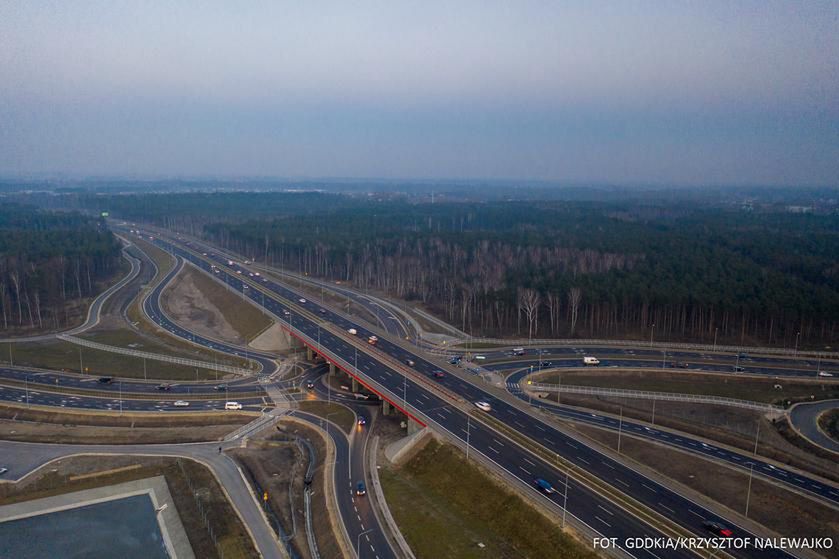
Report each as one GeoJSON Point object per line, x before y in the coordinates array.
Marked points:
{"type": "Point", "coordinates": [22, 458]}
{"type": "Point", "coordinates": [796, 479]}
{"type": "Point", "coordinates": [411, 389]}
{"type": "Point", "coordinates": [805, 418]}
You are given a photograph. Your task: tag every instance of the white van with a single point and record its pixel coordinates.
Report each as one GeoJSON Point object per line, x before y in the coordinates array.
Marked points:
{"type": "Point", "coordinates": [591, 361]}
{"type": "Point", "coordinates": [232, 406]}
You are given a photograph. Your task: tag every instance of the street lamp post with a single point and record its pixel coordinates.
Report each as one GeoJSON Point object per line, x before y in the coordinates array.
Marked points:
{"type": "Point", "coordinates": [27, 389]}
{"type": "Point", "coordinates": [715, 338]}
{"type": "Point", "coordinates": [358, 542]}
{"type": "Point", "coordinates": [620, 429]}
{"type": "Point", "coordinates": [797, 335]}
{"type": "Point", "coordinates": [652, 331]}
{"type": "Point", "coordinates": [468, 425]}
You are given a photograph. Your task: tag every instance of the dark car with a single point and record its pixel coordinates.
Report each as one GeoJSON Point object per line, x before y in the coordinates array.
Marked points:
{"type": "Point", "coordinates": [717, 528]}
{"type": "Point", "coordinates": [739, 369]}
{"type": "Point", "coordinates": [360, 488]}
{"type": "Point", "coordinates": [362, 422]}
{"type": "Point", "coordinates": [220, 387]}
{"type": "Point", "coordinates": [545, 364]}
{"type": "Point", "coordinates": [544, 486]}
{"type": "Point", "coordinates": [106, 380]}
{"type": "Point", "coordinates": [454, 360]}
{"type": "Point", "coordinates": [310, 385]}
{"type": "Point", "coordinates": [164, 387]}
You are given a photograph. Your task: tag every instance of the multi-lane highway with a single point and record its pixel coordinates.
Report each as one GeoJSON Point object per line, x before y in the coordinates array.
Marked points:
{"type": "Point", "coordinates": [411, 390]}
{"type": "Point", "coordinates": [798, 480]}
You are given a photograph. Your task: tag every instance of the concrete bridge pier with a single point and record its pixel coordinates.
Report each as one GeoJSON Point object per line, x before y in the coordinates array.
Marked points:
{"type": "Point", "coordinates": [332, 369]}
{"type": "Point", "coordinates": [386, 407]}
{"type": "Point", "coordinates": [413, 427]}
{"type": "Point", "coordinates": [354, 385]}
{"type": "Point", "coordinates": [310, 355]}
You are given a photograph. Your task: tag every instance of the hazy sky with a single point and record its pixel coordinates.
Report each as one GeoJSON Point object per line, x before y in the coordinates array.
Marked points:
{"type": "Point", "coordinates": [665, 92]}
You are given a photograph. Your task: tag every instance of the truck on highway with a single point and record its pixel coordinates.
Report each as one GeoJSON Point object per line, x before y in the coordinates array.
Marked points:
{"type": "Point", "coordinates": [589, 360]}
{"type": "Point", "coordinates": [518, 351]}
{"type": "Point", "coordinates": [373, 340]}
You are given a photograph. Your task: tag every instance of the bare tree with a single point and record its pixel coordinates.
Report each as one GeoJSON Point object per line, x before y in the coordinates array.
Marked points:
{"type": "Point", "coordinates": [529, 301]}
{"type": "Point", "coordinates": [575, 295]}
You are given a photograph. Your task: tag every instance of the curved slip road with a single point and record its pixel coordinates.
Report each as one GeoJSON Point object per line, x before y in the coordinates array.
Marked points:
{"type": "Point", "coordinates": [804, 418]}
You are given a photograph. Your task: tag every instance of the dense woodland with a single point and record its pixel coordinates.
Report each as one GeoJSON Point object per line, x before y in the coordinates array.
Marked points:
{"type": "Point", "coordinates": [675, 269]}
{"type": "Point", "coordinates": [50, 264]}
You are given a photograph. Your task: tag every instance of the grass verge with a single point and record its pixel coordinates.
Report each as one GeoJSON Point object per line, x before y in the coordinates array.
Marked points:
{"type": "Point", "coordinates": [446, 506]}
{"type": "Point", "coordinates": [829, 423]}
{"type": "Point", "coordinates": [336, 413]}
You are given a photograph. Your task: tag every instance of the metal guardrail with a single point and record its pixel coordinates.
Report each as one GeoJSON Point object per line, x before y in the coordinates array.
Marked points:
{"type": "Point", "coordinates": [649, 395]}
{"type": "Point", "coordinates": [154, 356]}
{"type": "Point", "coordinates": [640, 344]}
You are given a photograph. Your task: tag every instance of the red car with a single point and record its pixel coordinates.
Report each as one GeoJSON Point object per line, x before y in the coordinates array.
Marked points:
{"type": "Point", "coordinates": [438, 374]}
{"type": "Point", "coordinates": [717, 529]}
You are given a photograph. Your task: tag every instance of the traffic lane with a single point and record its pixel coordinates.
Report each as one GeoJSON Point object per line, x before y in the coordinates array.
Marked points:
{"type": "Point", "coordinates": [641, 364]}
{"type": "Point", "coordinates": [70, 380]}
{"type": "Point", "coordinates": [339, 345]}
{"type": "Point", "coordinates": [40, 398]}
{"type": "Point", "coordinates": [348, 506]}
{"type": "Point", "coordinates": [683, 441]}
{"type": "Point", "coordinates": [805, 418]}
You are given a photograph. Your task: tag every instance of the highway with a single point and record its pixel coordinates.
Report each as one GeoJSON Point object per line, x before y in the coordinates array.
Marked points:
{"type": "Point", "coordinates": [412, 390]}
{"type": "Point", "coordinates": [798, 480]}
{"type": "Point", "coordinates": [42, 397]}
{"type": "Point", "coordinates": [805, 416]}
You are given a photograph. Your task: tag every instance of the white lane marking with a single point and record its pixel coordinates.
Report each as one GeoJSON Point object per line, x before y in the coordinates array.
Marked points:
{"type": "Point", "coordinates": [603, 521]}
{"type": "Point", "coordinates": [530, 462]}
{"type": "Point", "coordinates": [694, 512]}
{"type": "Point", "coordinates": [525, 471]}
{"type": "Point", "coordinates": [495, 451]}
{"type": "Point", "coordinates": [499, 443]}
{"type": "Point", "coordinates": [583, 460]}
{"type": "Point", "coordinates": [648, 487]}
{"type": "Point", "coordinates": [662, 505]}
{"type": "Point", "coordinates": [607, 511]}
{"type": "Point", "coordinates": [622, 482]}
{"type": "Point", "coordinates": [607, 464]}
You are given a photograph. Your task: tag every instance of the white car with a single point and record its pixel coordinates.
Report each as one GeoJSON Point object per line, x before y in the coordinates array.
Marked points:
{"type": "Point", "coordinates": [181, 404]}
{"type": "Point", "coordinates": [232, 406]}
{"type": "Point", "coordinates": [302, 300]}
{"type": "Point", "coordinates": [3, 471]}
{"type": "Point", "coordinates": [825, 374]}
{"type": "Point", "coordinates": [483, 406]}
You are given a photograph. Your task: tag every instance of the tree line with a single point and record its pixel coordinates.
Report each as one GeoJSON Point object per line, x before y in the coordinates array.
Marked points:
{"type": "Point", "coordinates": [50, 265]}
{"type": "Point", "coordinates": [673, 269]}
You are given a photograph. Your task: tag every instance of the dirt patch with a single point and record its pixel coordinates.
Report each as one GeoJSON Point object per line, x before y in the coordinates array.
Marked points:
{"type": "Point", "coordinates": [127, 419]}
{"type": "Point", "coordinates": [189, 306]}
{"type": "Point", "coordinates": [86, 434]}
{"type": "Point", "coordinates": [274, 338]}
{"type": "Point", "coordinates": [277, 466]}
{"type": "Point", "coordinates": [189, 482]}
{"type": "Point", "coordinates": [780, 510]}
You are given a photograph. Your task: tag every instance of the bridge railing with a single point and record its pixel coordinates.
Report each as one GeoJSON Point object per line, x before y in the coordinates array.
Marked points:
{"type": "Point", "coordinates": [155, 356]}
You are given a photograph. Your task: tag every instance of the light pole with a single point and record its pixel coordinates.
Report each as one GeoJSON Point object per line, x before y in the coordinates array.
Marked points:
{"type": "Point", "coordinates": [797, 335]}
{"type": "Point", "coordinates": [81, 364]}
{"type": "Point", "coordinates": [565, 497]}
{"type": "Point", "coordinates": [749, 491]}
{"type": "Point", "coordinates": [358, 542]}
{"type": "Point", "coordinates": [468, 426]}
{"type": "Point", "coordinates": [620, 429]}
{"type": "Point", "coordinates": [120, 397]}
{"type": "Point", "coordinates": [27, 390]}
{"type": "Point", "coordinates": [652, 331]}
{"type": "Point", "coordinates": [715, 338]}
